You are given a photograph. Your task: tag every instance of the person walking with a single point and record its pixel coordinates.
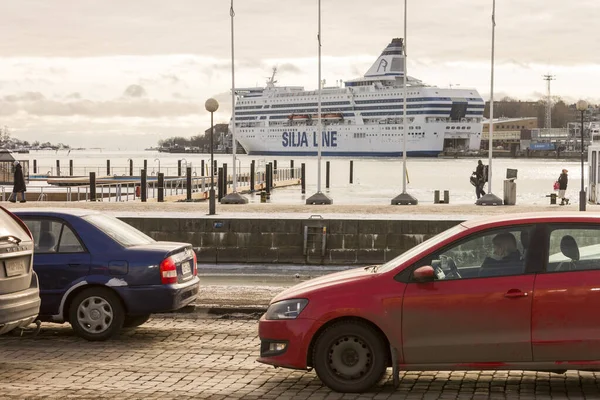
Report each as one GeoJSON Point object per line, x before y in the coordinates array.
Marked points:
{"type": "Point", "coordinates": [563, 180]}
{"type": "Point", "coordinates": [480, 179]}
{"type": "Point", "coordinates": [19, 184]}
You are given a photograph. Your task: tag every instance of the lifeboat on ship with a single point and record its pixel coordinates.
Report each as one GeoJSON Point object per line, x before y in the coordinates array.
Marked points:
{"type": "Point", "coordinates": [298, 117]}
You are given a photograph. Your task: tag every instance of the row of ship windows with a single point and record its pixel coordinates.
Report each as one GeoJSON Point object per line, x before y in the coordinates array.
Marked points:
{"type": "Point", "coordinates": [362, 135]}
{"type": "Point", "coordinates": [363, 108]}
{"type": "Point", "coordinates": [337, 103]}
{"type": "Point", "coordinates": [361, 96]}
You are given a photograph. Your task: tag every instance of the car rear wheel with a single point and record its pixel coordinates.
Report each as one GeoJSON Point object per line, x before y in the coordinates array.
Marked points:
{"type": "Point", "coordinates": [96, 314]}
{"type": "Point", "coordinates": [133, 321]}
{"type": "Point", "coordinates": [350, 357]}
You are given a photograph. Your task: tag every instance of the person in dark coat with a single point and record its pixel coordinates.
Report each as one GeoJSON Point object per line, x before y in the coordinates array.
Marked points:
{"type": "Point", "coordinates": [480, 180]}
{"type": "Point", "coordinates": [563, 180]}
{"type": "Point", "coordinates": [19, 184]}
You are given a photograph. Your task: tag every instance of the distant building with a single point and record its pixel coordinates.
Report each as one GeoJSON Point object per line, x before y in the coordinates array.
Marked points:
{"type": "Point", "coordinates": [508, 132]}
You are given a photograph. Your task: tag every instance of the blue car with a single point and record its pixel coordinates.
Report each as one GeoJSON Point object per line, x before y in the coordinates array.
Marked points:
{"type": "Point", "coordinates": [101, 274]}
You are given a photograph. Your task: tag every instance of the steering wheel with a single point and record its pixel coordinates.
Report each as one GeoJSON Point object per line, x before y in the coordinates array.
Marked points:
{"type": "Point", "coordinates": [450, 264]}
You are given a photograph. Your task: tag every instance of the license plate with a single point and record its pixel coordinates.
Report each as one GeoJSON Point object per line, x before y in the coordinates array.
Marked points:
{"type": "Point", "coordinates": [15, 267]}
{"type": "Point", "coordinates": [186, 268]}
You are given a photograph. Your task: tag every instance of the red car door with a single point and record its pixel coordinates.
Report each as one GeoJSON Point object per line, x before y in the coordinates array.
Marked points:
{"type": "Point", "coordinates": [565, 326]}
{"type": "Point", "coordinates": [477, 310]}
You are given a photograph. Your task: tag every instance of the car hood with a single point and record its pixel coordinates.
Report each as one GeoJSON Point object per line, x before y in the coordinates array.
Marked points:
{"type": "Point", "coordinates": [329, 281]}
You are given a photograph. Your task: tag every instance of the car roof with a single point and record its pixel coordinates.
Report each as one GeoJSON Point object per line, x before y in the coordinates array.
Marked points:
{"type": "Point", "coordinates": [60, 212]}
{"type": "Point", "coordinates": [533, 217]}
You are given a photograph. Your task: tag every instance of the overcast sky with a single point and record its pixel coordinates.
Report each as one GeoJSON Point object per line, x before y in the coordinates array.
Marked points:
{"type": "Point", "coordinates": [122, 74]}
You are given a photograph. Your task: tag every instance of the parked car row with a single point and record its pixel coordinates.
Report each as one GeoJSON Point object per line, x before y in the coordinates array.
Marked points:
{"type": "Point", "coordinates": [94, 271]}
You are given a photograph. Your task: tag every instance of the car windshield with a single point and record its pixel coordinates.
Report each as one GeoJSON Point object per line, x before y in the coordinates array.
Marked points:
{"type": "Point", "coordinates": [121, 232]}
{"type": "Point", "coordinates": [407, 255]}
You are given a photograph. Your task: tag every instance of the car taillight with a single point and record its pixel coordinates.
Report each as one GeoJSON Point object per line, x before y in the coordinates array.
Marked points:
{"type": "Point", "coordinates": [168, 271]}
{"type": "Point", "coordinates": [195, 264]}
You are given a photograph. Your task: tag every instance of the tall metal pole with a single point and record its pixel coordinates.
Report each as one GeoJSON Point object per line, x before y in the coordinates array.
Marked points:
{"type": "Point", "coordinates": [319, 197]}
{"type": "Point", "coordinates": [232, 13]}
{"type": "Point", "coordinates": [211, 204]}
{"type": "Point", "coordinates": [582, 199]}
{"type": "Point", "coordinates": [319, 132]}
{"type": "Point", "coordinates": [404, 119]}
{"type": "Point", "coordinates": [491, 124]}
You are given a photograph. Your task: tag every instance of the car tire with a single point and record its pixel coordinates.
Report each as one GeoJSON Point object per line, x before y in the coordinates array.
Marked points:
{"type": "Point", "coordinates": [96, 314]}
{"type": "Point", "coordinates": [350, 357]}
{"type": "Point", "coordinates": [133, 321]}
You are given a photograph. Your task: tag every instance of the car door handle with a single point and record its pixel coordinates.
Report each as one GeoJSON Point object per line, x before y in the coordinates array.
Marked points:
{"type": "Point", "coordinates": [512, 293]}
{"type": "Point", "coordinates": [74, 264]}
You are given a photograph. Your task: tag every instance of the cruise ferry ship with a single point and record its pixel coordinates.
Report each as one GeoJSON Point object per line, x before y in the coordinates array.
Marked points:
{"type": "Point", "coordinates": [363, 118]}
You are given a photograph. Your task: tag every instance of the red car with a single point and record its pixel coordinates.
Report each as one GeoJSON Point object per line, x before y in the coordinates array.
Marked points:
{"type": "Point", "coordinates": [513, 292]}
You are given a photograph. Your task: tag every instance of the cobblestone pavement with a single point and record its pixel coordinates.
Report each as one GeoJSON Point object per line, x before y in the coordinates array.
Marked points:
{"type": "Point", "coordinates": [190, 357]}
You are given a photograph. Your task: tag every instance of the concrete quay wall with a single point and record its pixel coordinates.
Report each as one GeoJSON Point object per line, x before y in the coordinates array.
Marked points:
{"type": "Point", "coordinates": [293, 241]}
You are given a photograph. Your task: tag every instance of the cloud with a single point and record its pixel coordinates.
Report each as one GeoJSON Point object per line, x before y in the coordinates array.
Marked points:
{"type": "Point", "coordinates": [135, 91]}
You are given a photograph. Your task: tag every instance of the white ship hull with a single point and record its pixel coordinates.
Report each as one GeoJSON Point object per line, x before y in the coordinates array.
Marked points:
{"type": "Point", "coordinates": [365, 118]}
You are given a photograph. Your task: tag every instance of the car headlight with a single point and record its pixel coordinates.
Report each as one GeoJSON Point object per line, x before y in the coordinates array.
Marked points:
{"type": "Point", "coordinates": [286, 309]}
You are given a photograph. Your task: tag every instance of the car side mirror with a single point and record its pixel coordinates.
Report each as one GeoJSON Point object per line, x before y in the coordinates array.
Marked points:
{"type": "Point", "coordinates": [424, 274]}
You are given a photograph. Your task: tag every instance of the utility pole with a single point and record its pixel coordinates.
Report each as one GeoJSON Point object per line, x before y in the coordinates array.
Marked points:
{"type": "Point", "coordinates": [549, 78]}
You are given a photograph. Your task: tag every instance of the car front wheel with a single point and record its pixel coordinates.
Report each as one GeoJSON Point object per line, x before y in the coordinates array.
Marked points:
{"type": "Point", "coordinates": [96, 314]}
{"type": "Point", "coordinates": [350, 357]}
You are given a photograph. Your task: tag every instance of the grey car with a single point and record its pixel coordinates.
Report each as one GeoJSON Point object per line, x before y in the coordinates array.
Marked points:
{"type": "Point", "coordinates": [19, 287]}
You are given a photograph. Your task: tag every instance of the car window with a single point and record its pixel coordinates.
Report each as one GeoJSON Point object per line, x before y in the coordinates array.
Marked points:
{"type": "Point", "coordinates": [45, 234]}
{"type": "Point", "coordinates": [413, 252]}
{"type": "Point", "coordinates": [121, 232]}
{"type": "Point", "coordinates": [497, 252]}
{"type": "Point", "coordinates": [69, 243]}
{"type": "Point", "coordinates": [574, 249]}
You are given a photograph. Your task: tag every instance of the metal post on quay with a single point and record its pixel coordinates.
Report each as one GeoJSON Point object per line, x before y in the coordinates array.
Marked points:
{"type": "Point", "coordinates": [211, 106]}
{"type": "Point", "coordinates": [582, 106]}
{"type": "Point", "coordinates": [234, 197]}
{"type": "Point", "coordinates": [319, 197]}
{"type": "Point", "coordinates": [491, 199]}
{"type": "Point", "coordinates": [404, 199]}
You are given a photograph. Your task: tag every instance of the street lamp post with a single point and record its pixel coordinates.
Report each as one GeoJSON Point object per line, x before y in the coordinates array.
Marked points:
{"type": "Point", "coordinates": [211, 106]}
{"type": "Point", "coordinates": [234, 197]}
{"type": "Point", "coordinates": [404, 198]}
{"type": "Point", "coordinates": [319, 197]}
{"type": "Point", "coordinates": [582, 106]}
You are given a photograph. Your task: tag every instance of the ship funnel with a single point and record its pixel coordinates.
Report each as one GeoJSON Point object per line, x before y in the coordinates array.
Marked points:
{"type": "Point", "coordinates": [390, 62]}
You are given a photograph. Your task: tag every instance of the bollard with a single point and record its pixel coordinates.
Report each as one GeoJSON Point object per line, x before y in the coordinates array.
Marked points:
{"type": "Point", "coordinates": [351, 171]}
{"type": "Point", "coordinates": [143, 184]}
{"type": "Point", "coordinates": [130, 167]}
{"type": "Point", "coordinates": [446, 196]}
{"type": "Point", "coordinates": [35, 166]}
{"type": "Point", "coordinates": [220, 183]}
{"type": "Point", "coordinates": [202, 168]}
{"type": "Point", "coordinates": [252, 175]}
{"type": "Point", "coordinates": [188, 183]}
{"type": "Point", "coordinates": [57, 167]}
{"type": "Point", "coordinates": [92, 186]}
{"type": "Point", "coordinates": [263, 196]}
{"type": "Point", "coordinates": [225, 179]}
{"type": "Point", "coordinates": [108, 167]}
{"type": "Point", "coordinates": [292, 168]}
{"type": "Point", "coordinates": [436, 197]}
{"type": "Point", "coordinates": [178, 168]}
{"type": "Point", "coordinates": [327, 175]}
{"type": "Point", "coordinates": [161, 187]}
{"type": "Point", "coordinates": [268, 177]}
{"type": "Point", "coordinates": [70, 167]}
{"type": "Point", "coordinates": [275, 165]}
{"type": "Point", "coordinates": [303, 177]}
